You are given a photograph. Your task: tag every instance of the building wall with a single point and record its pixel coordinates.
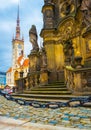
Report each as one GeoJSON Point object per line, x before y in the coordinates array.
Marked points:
{"type": "Point", "coordinates": [17, 48]}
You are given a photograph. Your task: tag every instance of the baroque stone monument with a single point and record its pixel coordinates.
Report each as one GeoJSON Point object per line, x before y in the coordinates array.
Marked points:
{"type": "Point", "coordinates": [67, 42]}
{"type": "Point", "coordinates": [37, 66]}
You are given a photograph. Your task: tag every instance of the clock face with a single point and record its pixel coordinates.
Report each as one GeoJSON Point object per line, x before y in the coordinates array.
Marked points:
{"type": "Point", "coordinates": [19, 46]}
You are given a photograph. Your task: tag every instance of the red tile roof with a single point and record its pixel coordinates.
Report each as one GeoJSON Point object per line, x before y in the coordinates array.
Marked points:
{"type": "Point", "coordinates": [19, 59]}
{"type": "Point", "coordinates": [9, 70]}
{"type": "Point", "coordinates": [23, 62]}
{"type": "Point", "coordinates": [26, 63]}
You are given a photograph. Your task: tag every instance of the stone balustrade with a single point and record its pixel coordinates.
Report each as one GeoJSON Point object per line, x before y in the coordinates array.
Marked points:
{"type": "Point", "coordinates": [78, 80]}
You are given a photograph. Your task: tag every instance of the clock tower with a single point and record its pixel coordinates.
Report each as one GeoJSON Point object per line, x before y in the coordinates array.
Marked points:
{"type": "Point", "coordinates": [17, 43]}
{"type": "Point", "coordinates": [19, 61]}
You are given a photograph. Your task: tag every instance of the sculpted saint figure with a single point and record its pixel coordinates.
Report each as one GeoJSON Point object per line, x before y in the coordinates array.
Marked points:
{"type": "Point", "coordinates": [86, 10]}
{"type": "Point", "coordinates": [47, 1]}
{"type": "Point", "coordinates": [33, 38]}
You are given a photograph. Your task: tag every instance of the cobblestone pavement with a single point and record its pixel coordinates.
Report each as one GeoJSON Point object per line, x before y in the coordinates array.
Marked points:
{"type": "Point", "coordinates": [12, 124]}
{"type": "Point", "coordinates": [65, 117]}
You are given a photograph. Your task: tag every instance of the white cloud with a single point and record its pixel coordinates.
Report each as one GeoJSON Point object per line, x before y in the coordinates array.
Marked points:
{"type": "Point", "coordinates": [30, 13]}
{"type": "Point", "coordinates": [4, 3]}
{"type": "Point", "coordinates": [7, 26]}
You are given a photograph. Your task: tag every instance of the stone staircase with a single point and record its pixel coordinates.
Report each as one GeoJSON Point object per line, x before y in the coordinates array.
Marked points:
{"type": "Point", "coordinates": [52, 92]}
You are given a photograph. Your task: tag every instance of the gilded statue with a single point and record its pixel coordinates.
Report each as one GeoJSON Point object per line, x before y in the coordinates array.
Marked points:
{"type": "Point", "coordinates": [86, 11]}
{"type": "Point", "coordinates": [33, 38]}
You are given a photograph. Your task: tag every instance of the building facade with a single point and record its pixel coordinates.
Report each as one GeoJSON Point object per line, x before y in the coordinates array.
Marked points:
{"type": "Point", "coordinates": [19, 61]}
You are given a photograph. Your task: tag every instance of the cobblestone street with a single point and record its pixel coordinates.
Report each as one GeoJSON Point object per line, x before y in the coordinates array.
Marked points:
{"type": "Point", "coordinates": [65, 117]}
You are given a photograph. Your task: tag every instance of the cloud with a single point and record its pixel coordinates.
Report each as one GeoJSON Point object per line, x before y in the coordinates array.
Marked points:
{"type": "Point", "coordinates": [30, 13]}
{"type": "Point", "coordinates": [4, 3]}
{"type": "Point", "coordinates": [7, 26]}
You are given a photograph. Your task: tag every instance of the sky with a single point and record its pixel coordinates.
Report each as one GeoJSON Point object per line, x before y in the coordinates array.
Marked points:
{"type": "Point", "coordinates": [30, 14]}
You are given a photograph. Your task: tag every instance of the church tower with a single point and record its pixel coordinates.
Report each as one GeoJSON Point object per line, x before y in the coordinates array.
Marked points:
{"type": "Point", "coordinates": [17, 43]}
{"type": "Point", "coordinates": [19, 61]}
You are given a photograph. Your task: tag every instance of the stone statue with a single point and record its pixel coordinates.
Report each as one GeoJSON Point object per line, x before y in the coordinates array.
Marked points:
{"type": "Point", "coordinates": [33, 38]}
{"type": "Point", "coordinates": [86, 11]}
{"type": "Point", "coordinates": [44, 58]}
{"type": "Point", "coordinates": [47, 1]}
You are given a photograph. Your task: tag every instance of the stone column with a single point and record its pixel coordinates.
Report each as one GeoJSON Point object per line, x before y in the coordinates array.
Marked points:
{"type": "Point", "coordinates": [87, 39]}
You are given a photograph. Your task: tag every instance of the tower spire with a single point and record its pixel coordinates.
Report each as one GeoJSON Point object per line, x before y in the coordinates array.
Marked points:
{"type": "Point", "coordinates": [18, 25]}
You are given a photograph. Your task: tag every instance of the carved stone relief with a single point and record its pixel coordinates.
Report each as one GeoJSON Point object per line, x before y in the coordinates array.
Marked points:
{"type": "Point", "coordinates": [89, 45]}
{"type": "Point", "coordinates": [48, 18]}
{"type": "Point", "coordinates": [86, 79]}
{"type": "Point", "coordinates": [67, 30]}
{"type": "Point", "coordinates": [66, 7]}
{"type": "Point", "coordinates": [86, 13]}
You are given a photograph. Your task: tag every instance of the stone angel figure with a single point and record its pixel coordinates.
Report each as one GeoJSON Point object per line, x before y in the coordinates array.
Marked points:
{"type": "Point", "coordinates": [33, 38]}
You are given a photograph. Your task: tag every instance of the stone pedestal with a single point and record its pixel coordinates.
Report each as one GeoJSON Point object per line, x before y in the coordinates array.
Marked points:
{"type": "Point", "coordinates": [34, 61]}
{"type": "Point", "coordinates": [43, 77]}
{"type": "Point", "coordinates": [34, 68]}
{"type": "Point", "coordinates": [78, 60]}
{"type": "Point", "coordinates": [87, 37]}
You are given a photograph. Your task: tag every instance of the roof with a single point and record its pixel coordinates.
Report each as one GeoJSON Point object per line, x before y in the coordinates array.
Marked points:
{"type": "Point", "coordinates": [9, 70]}
{"type": "Point", "coordinates": [22, 61]}
{"type": "Point", "coordinates": [26, 62]}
